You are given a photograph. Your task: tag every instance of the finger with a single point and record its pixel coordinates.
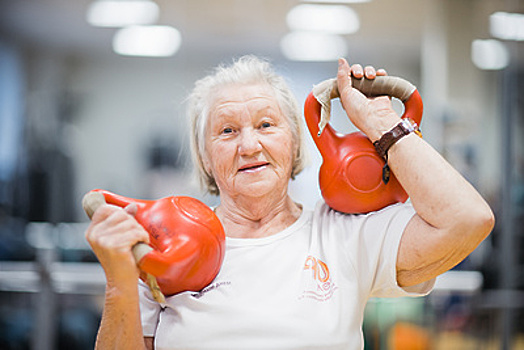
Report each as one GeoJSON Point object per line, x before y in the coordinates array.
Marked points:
{"type": "Point", "coordinates": [369, 72]}
{"type": "Point", "coordinates": [122, 240]}
{"type": "Point", "coordinates": [357, 71]}
{"type": "Point", "coordinates": [343, 74]}
{"type": "Point", "coordinates": [117, 216]}
{"type": "Point", "coordinates": [125, 222]}
{"type": "Point", "coordinates": [121, 236]}
{"type": "Point", "coordinates": [103, 212]}
{"type": "Point", "coordinates": [131, 209]}
{"type": "Point", "coordinates": [136, 232]}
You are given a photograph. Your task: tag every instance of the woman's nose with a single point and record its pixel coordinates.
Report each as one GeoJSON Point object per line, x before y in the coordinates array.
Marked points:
{"type": "Point", "coordinates": [249, 142]}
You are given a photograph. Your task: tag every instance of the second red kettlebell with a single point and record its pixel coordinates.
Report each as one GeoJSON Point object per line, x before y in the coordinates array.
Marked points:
{"type": "Point", "coordinates": [350, 176]}
{"type": "Point", "coordinates": [187, 240]}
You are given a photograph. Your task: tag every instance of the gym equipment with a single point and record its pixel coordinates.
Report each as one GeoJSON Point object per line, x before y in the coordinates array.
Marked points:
{"type": "Point", "coordinates": [187, 240]}
{"type": "Point", "coordinates": [350, 176]}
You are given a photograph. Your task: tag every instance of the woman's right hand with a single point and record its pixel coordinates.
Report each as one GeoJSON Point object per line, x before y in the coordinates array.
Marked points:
{"type": "Point", "coordinates": [112, 234]}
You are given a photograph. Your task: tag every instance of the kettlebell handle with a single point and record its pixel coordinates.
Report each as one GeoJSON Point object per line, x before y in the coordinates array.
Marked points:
{"type": "Point", "coordinates": [380, 86]}
{"type": "Point", "coordinates": [384, 85]}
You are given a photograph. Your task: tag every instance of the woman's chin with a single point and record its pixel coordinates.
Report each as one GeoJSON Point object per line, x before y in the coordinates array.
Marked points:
{"type": "Point", "coordinates": [259, 188]}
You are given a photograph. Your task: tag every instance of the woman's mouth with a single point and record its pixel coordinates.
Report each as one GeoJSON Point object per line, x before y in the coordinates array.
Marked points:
{"type": "Point", "coordinates": [253, 167]}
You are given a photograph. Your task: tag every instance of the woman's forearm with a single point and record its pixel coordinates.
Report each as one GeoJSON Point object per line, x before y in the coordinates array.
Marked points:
{"type": "Point", "coordinates": [440, 195]}
{"type": "Point", "coordinates": [112, 234]}
{"type": "Point", "coordinates": [120, 327]}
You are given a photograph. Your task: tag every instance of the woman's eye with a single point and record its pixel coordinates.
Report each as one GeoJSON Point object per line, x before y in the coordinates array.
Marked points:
{"type": "Point", "coordinates": [227, 130]}
{"type": "Point", "coordinates": [265, 125]}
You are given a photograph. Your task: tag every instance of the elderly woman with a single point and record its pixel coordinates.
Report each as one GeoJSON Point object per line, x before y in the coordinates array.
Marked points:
{"type": "Point", "coordinates": [291, 278]}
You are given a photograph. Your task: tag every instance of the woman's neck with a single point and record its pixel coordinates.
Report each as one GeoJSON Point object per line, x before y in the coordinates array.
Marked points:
{"type": "Point", "coordinates": [257, 217]}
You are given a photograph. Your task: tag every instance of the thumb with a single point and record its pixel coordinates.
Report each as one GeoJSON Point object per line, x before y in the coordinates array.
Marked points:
{"type": "Point", "coordinates": [131, 209]}
{"type": "Point", "coordinates": [343, 74]}
{"type": "Point", "coordinates": [349, 97]}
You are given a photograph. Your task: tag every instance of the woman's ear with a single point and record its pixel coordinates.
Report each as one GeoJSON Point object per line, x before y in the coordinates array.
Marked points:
{"type": "Point", "coordinates": [296, 157]}
{"type": "Point", "coordinates": [206, 164]}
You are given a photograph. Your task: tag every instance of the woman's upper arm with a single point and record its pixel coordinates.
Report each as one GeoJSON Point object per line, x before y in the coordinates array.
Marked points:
{"type": "Point", "coordinates": [426, 252]}
{"type": "Point", "coordinates": [149, 343]}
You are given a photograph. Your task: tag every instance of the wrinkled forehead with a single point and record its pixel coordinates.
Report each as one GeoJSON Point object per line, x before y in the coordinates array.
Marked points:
{"type": "Point", "coordinates": [240, 97]}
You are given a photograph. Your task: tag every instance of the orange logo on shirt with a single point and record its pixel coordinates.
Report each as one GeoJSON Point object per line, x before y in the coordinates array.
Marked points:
{"type": "Point", "coordinates": [320, 269]}
{"type": "Point", "coordinates": [321, 287]}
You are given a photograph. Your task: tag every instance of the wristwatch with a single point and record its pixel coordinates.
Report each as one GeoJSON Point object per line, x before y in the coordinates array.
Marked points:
{"type": "Point", "coordinates": [405, 127]}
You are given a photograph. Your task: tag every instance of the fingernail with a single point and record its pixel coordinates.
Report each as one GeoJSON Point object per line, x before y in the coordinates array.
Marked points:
{"type": "Point", "coordinates": [340, 62]}
{"type": "Point", "coordinates": [131, 208]}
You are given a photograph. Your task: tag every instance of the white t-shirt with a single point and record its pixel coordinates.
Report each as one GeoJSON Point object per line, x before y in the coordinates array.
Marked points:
{"type": "Point", "coordinates": [303, 288]}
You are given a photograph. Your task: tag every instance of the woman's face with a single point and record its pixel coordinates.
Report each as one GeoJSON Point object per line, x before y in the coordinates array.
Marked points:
{"type": "Point", "coordinates": [249, 144]}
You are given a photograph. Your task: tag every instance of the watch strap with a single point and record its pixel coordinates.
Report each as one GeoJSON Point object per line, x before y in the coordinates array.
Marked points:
{"type": "Point", "coordinates": [405, 127]}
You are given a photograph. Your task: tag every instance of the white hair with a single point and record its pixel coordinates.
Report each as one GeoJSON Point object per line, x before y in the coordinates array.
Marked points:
{"type": "Point", "coordinates": [245, 70]}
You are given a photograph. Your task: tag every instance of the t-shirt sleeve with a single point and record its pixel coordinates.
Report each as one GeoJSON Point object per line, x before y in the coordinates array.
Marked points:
{"type": "Point", "coordinates": [394, 221]}
{"type": "Point", "coordinates": [379, 237]}
{"type": "Point", "coordinates": [149, 310]}
{"type": "Point", "coordinates": [372, 243]}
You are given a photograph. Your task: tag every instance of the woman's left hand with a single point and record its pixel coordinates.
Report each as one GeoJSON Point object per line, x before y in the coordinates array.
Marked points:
{"type": "Point", "coordinates": [373, 116]}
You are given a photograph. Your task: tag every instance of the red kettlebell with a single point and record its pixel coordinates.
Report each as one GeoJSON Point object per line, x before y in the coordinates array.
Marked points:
{"type": "Point", "coordinates": [350, 176]}
{"type": "Point", "coordinates": [186, 237]}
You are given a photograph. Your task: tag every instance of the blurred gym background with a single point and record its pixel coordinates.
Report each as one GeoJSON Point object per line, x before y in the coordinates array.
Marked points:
{"type": "Point", "coordinates": [81, 107]}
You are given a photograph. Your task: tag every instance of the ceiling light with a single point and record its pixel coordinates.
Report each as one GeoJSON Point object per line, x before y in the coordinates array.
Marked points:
{"type": "Point", "coordinates": [115, 13]}
{"type": "Point", "coordinates": [507, 26]}
{"type": "Point", "coordinates": [335, 19]}
{"type": "Point", "coordinates": [311, 46]}
{"type": "Point", "coordinates": [489, 54]}
{"type": "Point", "coordinates": [148, 41]}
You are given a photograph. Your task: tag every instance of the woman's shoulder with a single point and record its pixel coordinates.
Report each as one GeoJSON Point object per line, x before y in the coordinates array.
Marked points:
{"type": "Point", "coordinates": [323, 210]}
{"type": "Point", "coordinates": [325, 216]}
